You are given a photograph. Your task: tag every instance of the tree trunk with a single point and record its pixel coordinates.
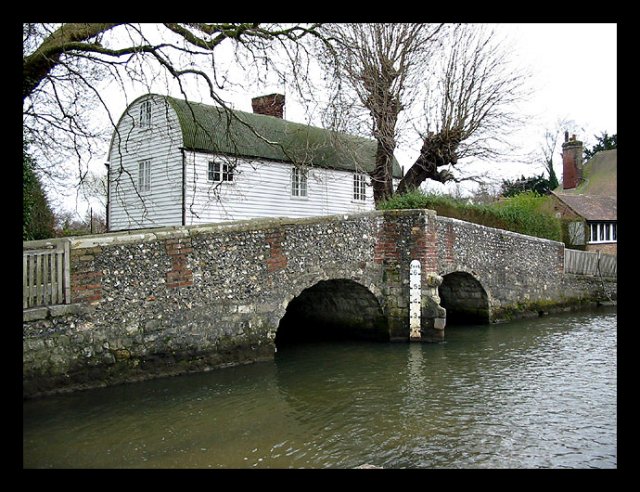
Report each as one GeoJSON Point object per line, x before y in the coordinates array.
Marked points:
{"type": "Point", "coordinates": [382, 176]}
{"type": "Point", "coordinates": [437, 150]}
{"type": "Point", "coordinates": [384, 133]}
{"type": "Point", "coordinates": [416, 175]}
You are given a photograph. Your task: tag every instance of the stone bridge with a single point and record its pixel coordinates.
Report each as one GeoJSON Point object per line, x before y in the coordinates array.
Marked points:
{"type": "Point", "coordinates": [174, 300]}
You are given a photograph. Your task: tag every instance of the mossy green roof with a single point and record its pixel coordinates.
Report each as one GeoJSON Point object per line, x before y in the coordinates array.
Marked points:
{"type": "Point", "coordinates": [596, 196]}
{"type": "Point", "coordinates": [599, 176]}
{"type": "Point", "coordinates": [211, 129]}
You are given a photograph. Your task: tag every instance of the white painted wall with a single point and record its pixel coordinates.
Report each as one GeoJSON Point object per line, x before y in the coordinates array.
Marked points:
{"type": "Point", "coordinates": [263, 189]}
{"type": "Point", "coordinates": [162, 205]}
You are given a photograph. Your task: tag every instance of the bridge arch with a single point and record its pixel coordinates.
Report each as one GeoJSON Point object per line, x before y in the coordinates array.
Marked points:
{"type": "Point", "coordinates": [333, 309]}
{"type": "Point", "coordinates": [465, 298]}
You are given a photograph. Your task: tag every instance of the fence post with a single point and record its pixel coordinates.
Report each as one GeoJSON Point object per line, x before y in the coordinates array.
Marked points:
{"type": "Point", "coordinates": [59, 276]}
{"type": "Point", "coordinates": [67, 272]}
{"type": "Point", "coordinates": [25, 283]}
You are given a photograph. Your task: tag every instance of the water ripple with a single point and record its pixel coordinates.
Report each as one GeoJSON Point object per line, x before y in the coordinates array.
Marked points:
{"type": "Point", "coordinates": [531, 394]}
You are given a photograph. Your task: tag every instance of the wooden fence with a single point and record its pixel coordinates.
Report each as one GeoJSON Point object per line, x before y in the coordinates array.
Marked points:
{"type": "Point", "coordinates": [590, 263]}
{"type": "Point", "coordinates": [45, 273]}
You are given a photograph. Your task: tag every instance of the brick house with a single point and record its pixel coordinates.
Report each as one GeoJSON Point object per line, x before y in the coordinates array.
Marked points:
{"type": "Point", "coordinates": [587, 197]}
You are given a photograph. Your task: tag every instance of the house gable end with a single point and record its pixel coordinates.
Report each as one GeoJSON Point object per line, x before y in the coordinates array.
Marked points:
{"type": "Point", "coordinates": [131, 114]}
{"type": "Point", "coordinates": [145, 167]}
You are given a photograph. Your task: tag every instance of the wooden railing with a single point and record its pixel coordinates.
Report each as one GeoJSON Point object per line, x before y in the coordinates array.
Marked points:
{"type": "Point", "coordinates": [45, 273]}
{"type": "Point", "coordinates": [590, 263]}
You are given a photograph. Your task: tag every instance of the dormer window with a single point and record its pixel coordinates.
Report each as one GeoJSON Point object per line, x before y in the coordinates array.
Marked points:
{"type": "Point", "coordinates": [145, 114]}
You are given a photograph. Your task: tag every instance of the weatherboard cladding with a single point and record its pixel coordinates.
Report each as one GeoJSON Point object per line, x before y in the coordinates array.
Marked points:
{"type": "Point", "coordinates": [211, 129]}
{"type": "Point", "coordinates": [262, 188]}
{"type": "Point", "coordinates": [159, 143]}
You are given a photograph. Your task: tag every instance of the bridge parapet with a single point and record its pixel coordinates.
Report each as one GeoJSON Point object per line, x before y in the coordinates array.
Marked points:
{"type": "Point", "coordinates": [179, 299]}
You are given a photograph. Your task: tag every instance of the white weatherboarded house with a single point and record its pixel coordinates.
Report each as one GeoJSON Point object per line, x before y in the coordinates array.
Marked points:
{"type": "Point", "coordinates": [174, 163]}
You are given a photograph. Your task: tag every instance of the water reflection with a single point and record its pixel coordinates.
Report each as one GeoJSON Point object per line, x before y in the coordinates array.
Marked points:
{"type": "Point", "coordinates": [537, 393]}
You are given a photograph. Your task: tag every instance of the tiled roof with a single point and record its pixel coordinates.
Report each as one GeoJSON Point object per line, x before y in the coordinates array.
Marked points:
{"type": "Point", "coordinates": [592, 207]}
{"type": "Point", "coordinates": [211, 129]}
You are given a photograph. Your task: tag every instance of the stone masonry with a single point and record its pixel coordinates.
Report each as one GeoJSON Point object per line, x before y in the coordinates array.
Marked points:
{"type": "Point", "coordinates": [173, 300]}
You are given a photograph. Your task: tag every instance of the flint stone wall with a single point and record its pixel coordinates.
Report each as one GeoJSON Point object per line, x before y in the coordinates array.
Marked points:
{"type": "Point", "coordinates": [175, 300]}
{"type": "Point", "coordinates": [521, 275]}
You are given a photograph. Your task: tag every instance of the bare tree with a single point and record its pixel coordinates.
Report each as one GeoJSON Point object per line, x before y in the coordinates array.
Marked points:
{"type": "Point", "coordinates": [66, 68]}
{"type": "Point", "coordinates": [469, 107]}
{"type": "Point", "coordinates": [459, 76]}
{"type": "Point", "coordinates": [382, 65]}
{"type": "Point", "coordinates": [547, 150]}
{"type": "Point", "coordinates": [94, 188]}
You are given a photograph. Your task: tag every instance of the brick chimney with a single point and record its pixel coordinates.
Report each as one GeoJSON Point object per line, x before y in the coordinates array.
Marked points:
{"type": "Point", "coordinates": [271, 105]}
{"type": "Point", "coordinates": [571, 162]}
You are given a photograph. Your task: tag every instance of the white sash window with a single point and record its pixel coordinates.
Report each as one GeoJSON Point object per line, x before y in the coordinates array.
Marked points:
{"type": "Point", "coordinates": [603, 232]}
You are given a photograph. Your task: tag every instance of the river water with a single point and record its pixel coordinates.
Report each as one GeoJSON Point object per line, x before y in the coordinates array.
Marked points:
{"type": "Point", "coordinates": [537, 393]}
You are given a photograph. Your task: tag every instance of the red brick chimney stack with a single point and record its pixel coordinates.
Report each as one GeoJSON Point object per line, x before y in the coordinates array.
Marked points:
{"type": "Point", "coordinates": [271, 105]}
{"type": "Point", "coordinates": [571, 162]}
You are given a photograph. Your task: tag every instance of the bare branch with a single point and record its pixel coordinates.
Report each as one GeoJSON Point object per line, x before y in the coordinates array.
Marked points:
{"type": "Point", "coordinates": [38, 64]}
{"type": "Point", "coordinates": [380, 64]}
{"type": "Point", "coordinates": [469, 106]}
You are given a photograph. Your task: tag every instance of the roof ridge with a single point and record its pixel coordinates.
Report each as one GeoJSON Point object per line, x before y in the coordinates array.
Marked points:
{"type": "Point", "coordinates": [263, 136]}
{"type": "Point", "coordinates": [273, 118]}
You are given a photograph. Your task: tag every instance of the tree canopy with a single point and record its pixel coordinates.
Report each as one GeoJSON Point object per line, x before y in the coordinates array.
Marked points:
{"type": "Point", "coordinates": [538, 184]}
{"type": "Point", "coordinates": [37, 216]}
{"type": "Point", "coordinates": [604, 141]}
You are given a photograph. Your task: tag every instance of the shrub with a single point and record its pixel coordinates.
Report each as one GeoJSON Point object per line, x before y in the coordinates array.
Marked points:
{"type": "Point", "coordinates": [521, 213]}
{"type": "Point", "coordinates": [37, 216]}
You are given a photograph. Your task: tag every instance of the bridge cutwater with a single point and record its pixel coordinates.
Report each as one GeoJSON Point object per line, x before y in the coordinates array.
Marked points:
{"type": "Point", "coordinates": [110, 308]}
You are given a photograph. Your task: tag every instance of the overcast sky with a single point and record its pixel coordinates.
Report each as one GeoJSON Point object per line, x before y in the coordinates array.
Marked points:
{"type": "Point", "coordinates": [574, 68]}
